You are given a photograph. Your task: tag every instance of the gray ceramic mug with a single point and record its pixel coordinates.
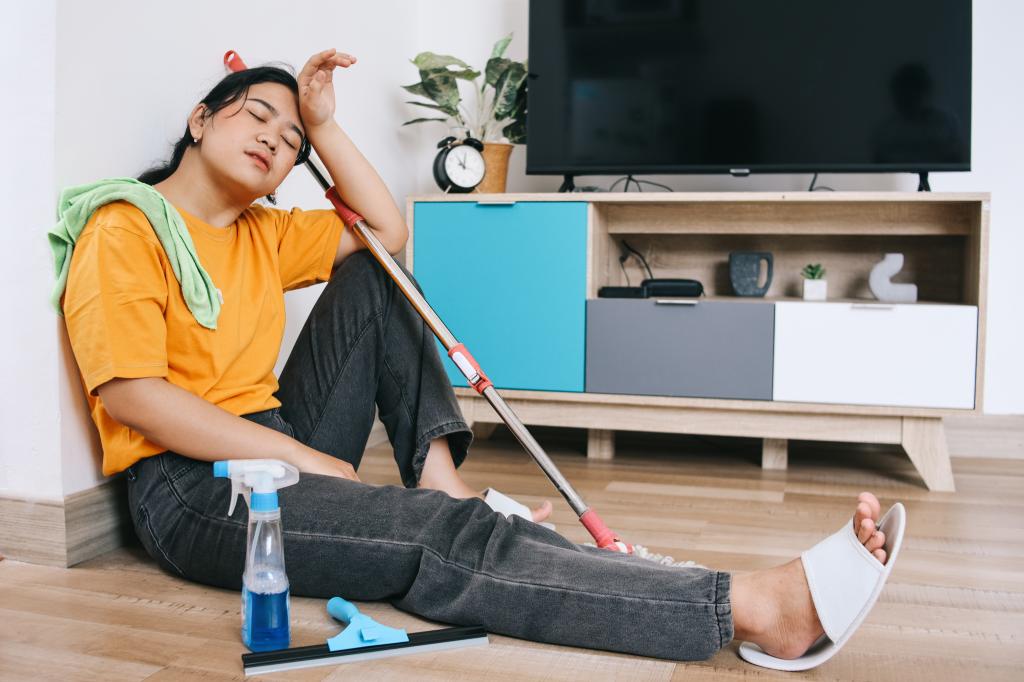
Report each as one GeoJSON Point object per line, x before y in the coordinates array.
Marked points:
{"type": "Point", "coordinates": [745, 270]}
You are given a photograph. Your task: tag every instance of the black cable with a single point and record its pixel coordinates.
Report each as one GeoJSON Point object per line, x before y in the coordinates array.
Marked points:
{"type": "Point", "coordinates": [812, 188]}
{"type": "Point", "coordinates": [630, 179]}
{"type": "Point", "coordinates": [625, 177]}
{"type": "Point", "coordinates": [640, 256]}
{"type": "Point", "coordinates": [656, 184]}
{"type": "Point", "coordinates": [622, 264]}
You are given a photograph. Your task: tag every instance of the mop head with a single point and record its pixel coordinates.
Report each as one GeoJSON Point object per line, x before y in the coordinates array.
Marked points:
{"type": "Point", "coordinates": [663, 559]}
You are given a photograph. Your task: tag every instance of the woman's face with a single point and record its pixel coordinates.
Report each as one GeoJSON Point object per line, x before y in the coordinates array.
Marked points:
{"type": "Point", "coordinates": [253, 143]}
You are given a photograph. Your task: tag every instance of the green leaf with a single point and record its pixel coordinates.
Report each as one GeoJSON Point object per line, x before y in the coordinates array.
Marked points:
{"type": "Point", "coordinates": [441, 87]}
{"type": "Point", "coordinates": [416, 89]}
{"type": "Point", "coordinates": [495, 69]}
{"type": "Point", "coordinates": [501, 46]}
{"type": "Point", "coordinates": [436, 107]}
{"type": "Point", "coordinates": [516, 131]}
{"type": "Point", "coordinates": [428, 61]}
{"type": "Point", "coordinates": [507, 90]}
{"type": "Point", "coordinates": [421, 120]}
{"type": "Point", "coordinates": [467, 75]}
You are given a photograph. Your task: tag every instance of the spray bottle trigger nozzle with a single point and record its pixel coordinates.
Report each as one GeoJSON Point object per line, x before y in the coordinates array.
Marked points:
{"type": "Point", "coordinates": [235, 492]}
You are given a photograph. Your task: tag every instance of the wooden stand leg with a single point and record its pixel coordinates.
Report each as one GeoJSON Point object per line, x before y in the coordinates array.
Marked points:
{"type": "Point", "coordinates": [600, 444]}
{"type": "Point", "coordinates": [483, 430]}
{"type": "Point", "coordinates": [924, 439]}
{"type": "Point", "coordinates": [775, 453]}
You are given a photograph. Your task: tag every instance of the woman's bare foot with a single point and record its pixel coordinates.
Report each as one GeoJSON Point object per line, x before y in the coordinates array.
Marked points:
{"type": "Point", "coordinates": [439, 474]}
{"type": "Point", "coordinates": [773, 608]}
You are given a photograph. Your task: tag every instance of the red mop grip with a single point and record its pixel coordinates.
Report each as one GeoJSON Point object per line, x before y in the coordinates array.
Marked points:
{"type": "Point", "coordinates": [482, 383]}
{"type": "Point", "coordinates": [602, 534]}
{"type": "Point", "coordinates": [348, 216]}
{"type": "Point", "coordinates": [233, 61]}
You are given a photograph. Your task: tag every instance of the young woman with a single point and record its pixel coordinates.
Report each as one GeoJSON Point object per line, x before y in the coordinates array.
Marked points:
{"type": "Point", "coordinates": [170, 396]}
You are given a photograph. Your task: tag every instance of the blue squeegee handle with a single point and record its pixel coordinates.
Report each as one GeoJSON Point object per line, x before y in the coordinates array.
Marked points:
{"type": "Point", "coordinates": [341, 609]}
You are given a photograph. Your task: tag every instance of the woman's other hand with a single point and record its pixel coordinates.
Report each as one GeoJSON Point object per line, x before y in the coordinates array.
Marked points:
{"type": "Point", "coordinates": [316, 86]}
{"type": "Point", "coordinates": [310, 461]}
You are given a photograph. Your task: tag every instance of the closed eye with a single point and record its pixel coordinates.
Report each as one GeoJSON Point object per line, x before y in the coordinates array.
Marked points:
{"type": "Point", "coordinates": [286, 141]}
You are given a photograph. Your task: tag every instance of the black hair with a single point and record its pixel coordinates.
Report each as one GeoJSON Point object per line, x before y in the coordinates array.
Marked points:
{"type": "Point", "coordinates": [230, 89]}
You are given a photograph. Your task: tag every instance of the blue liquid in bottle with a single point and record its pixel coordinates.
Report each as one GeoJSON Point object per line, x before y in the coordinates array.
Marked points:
{"type": "Point", "coordinates": [265, 620]}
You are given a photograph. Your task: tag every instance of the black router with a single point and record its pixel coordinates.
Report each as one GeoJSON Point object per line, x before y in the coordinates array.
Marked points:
{"type": "Point", "coordinates": [689, 288]}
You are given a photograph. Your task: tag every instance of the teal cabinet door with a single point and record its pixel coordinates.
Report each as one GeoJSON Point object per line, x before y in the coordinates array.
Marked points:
{"type": "Point", "coordinates": [509, 281]}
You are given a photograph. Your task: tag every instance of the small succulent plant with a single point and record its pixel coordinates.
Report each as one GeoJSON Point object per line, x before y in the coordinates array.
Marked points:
{"type": "Point", "coordinates": [813, 271]}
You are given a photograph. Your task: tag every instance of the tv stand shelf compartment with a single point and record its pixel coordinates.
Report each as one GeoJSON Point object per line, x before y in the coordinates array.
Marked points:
{"type": "Point", "coordinates": [514, 275]}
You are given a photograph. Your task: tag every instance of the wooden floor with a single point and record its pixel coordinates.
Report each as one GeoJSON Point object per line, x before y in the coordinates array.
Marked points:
{"type": "Point", "coordinates": [953, 608]}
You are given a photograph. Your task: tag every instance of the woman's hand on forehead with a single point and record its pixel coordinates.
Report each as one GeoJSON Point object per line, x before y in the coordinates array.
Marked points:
{"type": "Point", "coordinates": [316, 86]}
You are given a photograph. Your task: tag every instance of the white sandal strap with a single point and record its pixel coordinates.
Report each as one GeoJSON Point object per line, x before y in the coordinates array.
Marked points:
{"type": "Point", "coordinates": [506, 505]}
{"type": "Point", "coordinates": [509, 507]}
{"type": "Point", "coordinates": [842, 574]}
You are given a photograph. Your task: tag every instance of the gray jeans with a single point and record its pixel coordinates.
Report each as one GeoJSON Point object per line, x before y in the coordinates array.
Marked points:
{"type": "Point", "coordinates": [448, 560]}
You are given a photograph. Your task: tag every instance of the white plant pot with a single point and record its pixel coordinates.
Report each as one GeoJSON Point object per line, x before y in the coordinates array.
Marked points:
{"type": "Point", "coordinates": [815, 289]}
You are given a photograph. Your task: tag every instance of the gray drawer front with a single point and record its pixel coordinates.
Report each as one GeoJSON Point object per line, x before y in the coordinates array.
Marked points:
{"type": "Point", "coordinates": [709, 350]}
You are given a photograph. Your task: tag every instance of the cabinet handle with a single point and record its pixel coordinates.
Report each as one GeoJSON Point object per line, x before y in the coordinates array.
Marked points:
{"type": "Point", "coordinates": [676, 301]}
{"type": "Point", "coordinates": [496, 202]}
{"type": "Point", "coordinates": [872, 306]}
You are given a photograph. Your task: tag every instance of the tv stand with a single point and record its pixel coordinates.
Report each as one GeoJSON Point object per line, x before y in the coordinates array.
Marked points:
{"type": "Point", "coordinates": [778, 368]}
{"type": "Point", "coordinates": [567, 183]}
{"type": "Point", "coordinates": [922, 182]}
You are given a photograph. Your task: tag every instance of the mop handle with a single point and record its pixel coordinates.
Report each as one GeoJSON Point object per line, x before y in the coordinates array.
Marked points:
{"type": "Point", "coordinates": [466, 363]}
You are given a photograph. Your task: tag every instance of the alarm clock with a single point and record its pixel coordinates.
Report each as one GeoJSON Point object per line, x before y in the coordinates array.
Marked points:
{"type": "Point", "coordinates": [459, 165]}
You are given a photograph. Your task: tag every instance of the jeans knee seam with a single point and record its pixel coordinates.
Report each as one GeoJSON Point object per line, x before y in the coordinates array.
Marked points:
{"type": "Point", "coordinates": [401, 390]}
{"type": "Point", "coordinates": [337, 378]}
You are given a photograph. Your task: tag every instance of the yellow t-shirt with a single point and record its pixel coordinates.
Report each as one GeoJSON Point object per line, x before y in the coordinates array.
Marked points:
{"type": "Point", "coordinates": [126, 316]}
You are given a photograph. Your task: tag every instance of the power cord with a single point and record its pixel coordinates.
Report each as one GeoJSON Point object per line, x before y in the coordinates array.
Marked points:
{"type": "Point", "coordinates": [638, 183]}
{"type": "Point", "coordinates": [639, 256]}
{"type": "Point", "coordinates": [812, 188]}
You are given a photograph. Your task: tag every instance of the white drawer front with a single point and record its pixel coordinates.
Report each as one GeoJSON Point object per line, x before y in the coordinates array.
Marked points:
{"type": "Point", "coordinates": [919, 355]}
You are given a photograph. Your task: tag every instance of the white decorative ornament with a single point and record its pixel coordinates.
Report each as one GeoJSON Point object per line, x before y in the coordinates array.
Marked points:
{"type": "Point", "coordinates": [883, 288]}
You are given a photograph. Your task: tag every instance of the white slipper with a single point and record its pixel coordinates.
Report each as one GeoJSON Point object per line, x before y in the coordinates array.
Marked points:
{"type": "Point", "coordinates": [509, 507]}
{"type": "Point", "coordinates": [845, 581]}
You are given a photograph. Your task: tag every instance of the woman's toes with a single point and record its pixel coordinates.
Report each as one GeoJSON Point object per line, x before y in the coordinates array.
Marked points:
{"type": "Point", "coordinates": [876, 541]}
{"type": "Point", "coordinates": [542, 512]}
{"type": "Point", "coordinates": [873, 504]}
{"type": "Point", "coordinates": [863, 512]}
{"type": "Point", "coordinates": [866, 530]}
{"type": "Point", "coordinates": [880, 555]}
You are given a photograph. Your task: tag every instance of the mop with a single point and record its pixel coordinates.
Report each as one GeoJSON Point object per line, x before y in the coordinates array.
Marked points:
{"type": "Point", "coordinates": [467, 364]}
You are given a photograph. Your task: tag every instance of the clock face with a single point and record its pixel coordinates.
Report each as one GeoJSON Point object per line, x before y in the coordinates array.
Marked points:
{"type": "Point", "coordinates": [464, 166]}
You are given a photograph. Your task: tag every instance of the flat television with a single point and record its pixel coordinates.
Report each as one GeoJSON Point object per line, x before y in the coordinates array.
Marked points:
{"type": "Point", "coordinates": [748, 86]}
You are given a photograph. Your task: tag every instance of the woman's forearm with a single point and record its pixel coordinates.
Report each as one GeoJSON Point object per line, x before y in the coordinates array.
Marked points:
{"type": "Point", "coordinates": [184, 423]}
{"type": "Point", "coordinates": [358, 184]}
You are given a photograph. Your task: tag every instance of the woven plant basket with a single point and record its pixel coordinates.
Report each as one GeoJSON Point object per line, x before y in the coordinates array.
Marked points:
{"type": "Point", "coordinates": [496, 162]}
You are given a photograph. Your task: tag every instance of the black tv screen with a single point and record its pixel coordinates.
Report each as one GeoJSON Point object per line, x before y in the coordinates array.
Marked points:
{"type": "Point", "coordinates": [718, 86]}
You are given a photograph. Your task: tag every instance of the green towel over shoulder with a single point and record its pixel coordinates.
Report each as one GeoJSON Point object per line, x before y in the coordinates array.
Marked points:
{"type": "Point", "coordinates": [77, 205]}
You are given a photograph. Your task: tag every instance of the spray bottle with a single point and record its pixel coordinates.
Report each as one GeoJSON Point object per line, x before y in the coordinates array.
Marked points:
{"type": "Point", "coordinates": [265, 603]}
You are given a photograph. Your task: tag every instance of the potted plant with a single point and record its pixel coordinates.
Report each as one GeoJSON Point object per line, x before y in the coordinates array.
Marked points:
{"type": "Point", "coordinates": [499, 118]}
{"type": "Point", "coordinates": [815, 285]}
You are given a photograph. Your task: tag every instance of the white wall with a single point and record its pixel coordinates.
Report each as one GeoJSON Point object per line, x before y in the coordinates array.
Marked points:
{"type": "Point", "coordinates": [105, 101]}
{"type": "Point", "coordinates": [29, 412]}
